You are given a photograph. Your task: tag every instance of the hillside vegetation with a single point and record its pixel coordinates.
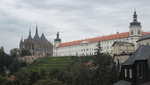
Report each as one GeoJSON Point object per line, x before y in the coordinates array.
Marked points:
{"type": "Point", "coordinates": [51, 63]}
{"type": "Point", "coordinates": [73, 70]}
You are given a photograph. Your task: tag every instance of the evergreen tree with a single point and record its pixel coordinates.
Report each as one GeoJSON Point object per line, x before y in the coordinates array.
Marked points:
{"type": "Point", "coordinates": [98, 49]}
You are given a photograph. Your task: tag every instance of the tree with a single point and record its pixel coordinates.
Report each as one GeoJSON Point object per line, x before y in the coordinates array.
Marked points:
{"type": "Point", "coordinates": [15, 52]}
{"type": "Point", "coordinates": [48, 82]}
{"type": "Point", "coordinates": [104, 74]}
{"type": "Point", "coordinates": [98, 49]}
{"type": "Point", "coordinates": [25, 52]}
{"type": "Point", "coordinates": [5, 61]}
{"type": "Point", "coordinates": [16, 65]}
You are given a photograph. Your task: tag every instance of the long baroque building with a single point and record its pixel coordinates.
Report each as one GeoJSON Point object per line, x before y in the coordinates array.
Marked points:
{"type": "Point", "coordinates": [38, 46]}
{"type": "Point", "coordinates": [87, 46]}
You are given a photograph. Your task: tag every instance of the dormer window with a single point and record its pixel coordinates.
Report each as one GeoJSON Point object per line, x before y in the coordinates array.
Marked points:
{"type": "Point", "coordinates": [84, 43]}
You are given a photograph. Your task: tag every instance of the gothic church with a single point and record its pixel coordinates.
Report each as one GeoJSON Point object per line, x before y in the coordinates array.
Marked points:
{"type": "Point", "coordinates": [38, 46]}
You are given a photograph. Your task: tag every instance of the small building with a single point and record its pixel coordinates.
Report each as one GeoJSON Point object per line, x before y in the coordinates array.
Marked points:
{"type": "Point", "coordinates": [144, 40]}
{"type": "Point", "coordinates": [136, 69]}
{"type": "Point", "coordinates": [121, 51]}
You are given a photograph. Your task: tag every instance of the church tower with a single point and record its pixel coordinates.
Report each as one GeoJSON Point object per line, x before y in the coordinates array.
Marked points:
{"type": "Point", "coordinates": [135, 26]}
{"type": "Point", "coordinates": [21, 43]}
{"type": "Point", "coordinates": [57, 41]}
{"type": "Point", "coordinates": [30, 37]}
{"type": "Point", "coordinates": [135, 29]}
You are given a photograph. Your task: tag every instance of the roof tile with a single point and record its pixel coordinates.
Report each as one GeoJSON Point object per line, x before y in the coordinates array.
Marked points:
{"type": "Point", "coordinates": [100, 38]}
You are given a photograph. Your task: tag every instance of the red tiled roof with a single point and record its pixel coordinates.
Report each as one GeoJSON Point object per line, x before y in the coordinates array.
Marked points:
{"type": "Point", "coordinates": [100, 38]}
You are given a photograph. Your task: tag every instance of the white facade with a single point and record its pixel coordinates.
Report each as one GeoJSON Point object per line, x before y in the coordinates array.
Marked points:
{"type": "Point", "coordinates": [144, 40]}
{"type": "Point", "coordinates": [86, 47]}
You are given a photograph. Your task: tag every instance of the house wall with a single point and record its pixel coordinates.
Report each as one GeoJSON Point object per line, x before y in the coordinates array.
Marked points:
{"type": "Point", "coordinates": [87, 48]}
{"type": "Point", "coordinates": [143, 42]}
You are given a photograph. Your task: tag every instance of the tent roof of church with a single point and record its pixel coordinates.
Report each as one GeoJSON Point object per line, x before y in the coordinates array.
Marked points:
{"type": "Point", "coordinates": [142, 53]}
{"type": "Point", "coordinates": [100, 38]}
{"type": "Point", "coordinates": [43, 37]}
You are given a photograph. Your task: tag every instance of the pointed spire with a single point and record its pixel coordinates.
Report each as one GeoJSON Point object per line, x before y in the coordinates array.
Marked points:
{"type": "Point", "coordinates": [135, 21]}
{"type": "Point", "coordinates": [21, 39]}
{"type": "Point", "coordinates": [43, 37]}
{"type": "Point", "coordinates": [30, 37]}
{"type": "Point", "coordinates": [36, 37]}
{"type": "Point", "coordinates": [36, 29]}
{"type": "Point", "coordinates": [57, 38]}
{"type": "Point", "coordinates": [57, 35]}
{"type": "Point", "coordinates": [135, 16]}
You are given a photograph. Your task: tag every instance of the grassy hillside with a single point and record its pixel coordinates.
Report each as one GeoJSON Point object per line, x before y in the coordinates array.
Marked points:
{"type": "Point", "coordinates": [50, 63]}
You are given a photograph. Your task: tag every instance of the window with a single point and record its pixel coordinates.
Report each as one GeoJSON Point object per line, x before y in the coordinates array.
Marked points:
{"type": "Point", "coordinates": [130, 71]}
{"type": "Point", "coordinates": [125, 73]}
{"type": "Point", "coordinates": [131, 32]}
{"type": "Point", "coordinates": [147, 43]}
{"type": "Point", "coordinates": [140, 71]}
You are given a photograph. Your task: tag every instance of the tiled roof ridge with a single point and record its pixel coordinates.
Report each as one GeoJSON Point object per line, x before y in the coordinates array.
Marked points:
{"type": "Point", "coordinates": [98, 38]}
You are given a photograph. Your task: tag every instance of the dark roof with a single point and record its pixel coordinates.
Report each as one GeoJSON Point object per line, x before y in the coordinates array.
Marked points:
{"type": "Point", "coordinates": [43, 37]}
{"type": "Point", "coordinates": [122, 82]}
{"type": "Point", "coordinates": [144, 37]}
{"type": "Point", "coordinates": [142, 53]}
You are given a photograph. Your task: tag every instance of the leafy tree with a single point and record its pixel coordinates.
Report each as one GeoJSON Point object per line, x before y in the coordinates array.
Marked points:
{"type": "Point", "coordinates": [104, 73]}
{"type": "Point", "coordinates": [16, 65]}
{"type": "Point", "coordinates": [15, 52]}
{"type": "Point", "coordinates": [5, 61]}
{"type": "Point", "coordinates": [25, 52]}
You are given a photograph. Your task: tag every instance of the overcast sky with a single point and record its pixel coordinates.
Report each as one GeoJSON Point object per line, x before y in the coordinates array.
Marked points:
{"type": "Point", "coordinates": [74, 19]}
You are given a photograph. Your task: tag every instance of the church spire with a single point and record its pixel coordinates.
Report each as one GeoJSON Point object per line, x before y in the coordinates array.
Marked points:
{"type": "Point", "coordinates": [43, 37]}
{"type": "Point", "coordinates": [57, 38]}
{"type": "Point", "coordinates": [135, 16]}
{"type": "Point", "coordinates": [21, 39]}
{"type": "Point", "coordinates": [135, 26]}
{"type": "Point", "coordinates": [30, 37]}
{"type": "Point", "coordinates": [57, 35]}
{"type": "Point", "coordinates": [21, 42]}
{"type": "Point", "coordinates": [36, 37]}
{"type": "Point", "coordinates": [36, 29]}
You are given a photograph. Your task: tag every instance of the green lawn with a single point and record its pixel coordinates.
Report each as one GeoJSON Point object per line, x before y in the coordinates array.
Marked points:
{"type": "Point", "coordinates": [50, 63]}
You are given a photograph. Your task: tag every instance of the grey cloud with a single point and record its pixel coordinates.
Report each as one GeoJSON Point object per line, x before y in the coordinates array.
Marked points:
{"type": "Point", "coordinates": [84, 18]}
